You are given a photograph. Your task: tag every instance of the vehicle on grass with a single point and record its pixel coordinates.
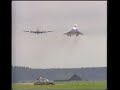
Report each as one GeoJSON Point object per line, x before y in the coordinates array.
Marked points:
{"type": "Point", "coordinates": [43, 81]}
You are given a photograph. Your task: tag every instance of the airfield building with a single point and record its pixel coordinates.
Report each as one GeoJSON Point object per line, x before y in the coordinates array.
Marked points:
{"type": "Point", "coordinates": [74, 77]}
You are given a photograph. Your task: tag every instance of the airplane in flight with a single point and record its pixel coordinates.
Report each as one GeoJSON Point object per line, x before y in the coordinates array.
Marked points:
{"type": "Point", "coordinates": [38, 32]}
{"type": "Point", "coordinates": [74, 31]}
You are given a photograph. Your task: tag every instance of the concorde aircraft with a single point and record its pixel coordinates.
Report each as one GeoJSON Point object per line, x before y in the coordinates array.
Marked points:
{"type": "Point", "coordinates": [74, 31]}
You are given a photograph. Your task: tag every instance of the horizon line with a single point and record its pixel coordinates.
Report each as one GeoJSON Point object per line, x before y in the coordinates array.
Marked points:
{"type": "Point", "coordinates": [60, 67]}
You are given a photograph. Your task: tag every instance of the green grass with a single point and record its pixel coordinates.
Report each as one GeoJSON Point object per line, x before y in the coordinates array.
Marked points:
{"type": "Point", "coordinates": [64, 85]}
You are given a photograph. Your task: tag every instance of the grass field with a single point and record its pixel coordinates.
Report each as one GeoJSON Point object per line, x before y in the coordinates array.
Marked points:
{"type": "Point", "coordinates": [101, 85]}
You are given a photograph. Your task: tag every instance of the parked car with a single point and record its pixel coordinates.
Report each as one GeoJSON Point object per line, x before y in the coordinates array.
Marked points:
{"type": "Point", "coordinates": [44, 83]}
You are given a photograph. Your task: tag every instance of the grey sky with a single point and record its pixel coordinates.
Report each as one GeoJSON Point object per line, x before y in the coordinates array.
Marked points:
{"type": "Point", "coordinates": [54, 50]}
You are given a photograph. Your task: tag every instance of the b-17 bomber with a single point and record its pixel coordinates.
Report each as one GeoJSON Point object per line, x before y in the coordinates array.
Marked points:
{"type": "Point", "coordinates": [38, 32]}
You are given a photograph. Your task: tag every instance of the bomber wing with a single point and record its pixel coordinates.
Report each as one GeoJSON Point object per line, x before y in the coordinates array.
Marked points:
{"type": "Point", "coordinates": [26, 31]}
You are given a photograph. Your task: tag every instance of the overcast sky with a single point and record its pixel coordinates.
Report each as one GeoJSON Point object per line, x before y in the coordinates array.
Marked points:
{"type": "Point", "coordinates": [55, 50]}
